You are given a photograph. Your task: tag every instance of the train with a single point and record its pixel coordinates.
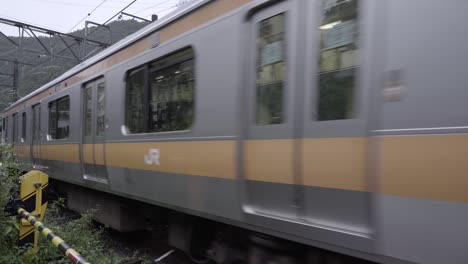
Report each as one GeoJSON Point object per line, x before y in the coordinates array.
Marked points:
{"type": "Point", "coordinates": [324, 131]}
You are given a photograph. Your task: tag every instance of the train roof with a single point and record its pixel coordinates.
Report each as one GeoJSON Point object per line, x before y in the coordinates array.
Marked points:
{"type": "Point", "coordinates": [123, 43]}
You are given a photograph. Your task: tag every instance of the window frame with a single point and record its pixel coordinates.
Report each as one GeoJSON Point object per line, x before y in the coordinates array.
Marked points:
{"type": "Point", "coordinates": [24, 126]}
{"type": "Point", "coordinates": [100, 85]}
{"type": "Point", "coordinates": [352, 98]}
{"type": "Point", "coordinates": [50, 137]}
{"type": "Point", "coordinates": [6, 128]}
{"type": "Point", "coordinates": [3, 131]}
{"type": "Point", "coordinates": [147, 71]}
{"type": "Point", "coordinates": [15, 127]}
{"type": "Point", "coordinates": [36, 122]}
{"type": "Point", "coordinates": [289, 94]}
{"type": "Point", "coordinates": [285, 60]}
{"type": "Point", "coordinates": [354, 126]}
{"type": "Point", "coordinates": [130, 73]}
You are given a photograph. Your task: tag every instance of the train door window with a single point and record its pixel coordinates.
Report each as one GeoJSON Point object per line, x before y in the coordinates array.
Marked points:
{"type": "Point", "coordinates": [171, 93]}
{"type": "Point", "coordinates": [2, 131]}
{"type": "Point", "coordinates": [59, 118]}
{"type": "Point", "coordinates": [338, 59]}
{"type": "Point", "coordinates": [135, 94]}
{"type": "Point", "coordinates": [36, 122]}
{"type": "Point", "coordinates": [6, 128]}
{"type": "Point", "coordinates": [271, 47]}
{"type": "Point", "coordinates": [100, 110]}
{"type": "Point", "coordinates": [63, 120]}
{"type": "Point", "coordinates": [52, 120]}
{"type": "Point", "coordinates": [23, 127]}
{"type": "Point", "coordinates": [15, 127]}
{"type": "Point", "coordinates": [88, 111]}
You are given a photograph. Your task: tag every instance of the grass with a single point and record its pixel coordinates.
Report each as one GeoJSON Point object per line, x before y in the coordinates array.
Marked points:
{"type": "Point", "coordinates": [78, 231]}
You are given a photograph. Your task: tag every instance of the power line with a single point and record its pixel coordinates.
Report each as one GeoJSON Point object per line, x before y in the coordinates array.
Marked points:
{"type": "Point", "coordinates": [45, 61]}
{"type": "Point", "coordinates": [81, 3]}
{"type": "Point", "coordinates": [163, 10]}
{"type": "Point", "coordinates": [48, 59]}
{"type": "Point", "coordinates": [67, 4]}
{"type": "Point", "coordinates": [151, 7]}
{"type": "Point", "coordinates": [89, 14]}
{"type": "Point", "coordinates": [123, 9]}
{"type": "Point", "coordinates": [26, 22]}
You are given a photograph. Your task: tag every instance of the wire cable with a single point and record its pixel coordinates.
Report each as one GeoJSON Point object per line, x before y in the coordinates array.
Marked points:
{"type": "Point", "coordinates": [146, 8]}
{"type": "Point", "coordinates": [89, 14]}
{"type": "Point", "coordinates": [163, 10]}
{"type": "Point", "coordinates": [58, 53]}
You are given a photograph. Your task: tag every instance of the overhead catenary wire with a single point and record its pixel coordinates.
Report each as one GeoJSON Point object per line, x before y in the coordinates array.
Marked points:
{"type": "Point", "coordinates": [58, 53]}
{"type": "Point", "coordinates": [72, 4]}
{"type": "Point", "coordinates": [164, 10]}
{"type": "Point", "coordinates": [61, 51]}
{"type": "Point", "coordinates": [146, 8]}
{"type": "Point", "coordinates": [89, 14]}
{"type": "Point", "coordinates": [83, 4]}
{"type": "Point", "coordinates": [118, 13]}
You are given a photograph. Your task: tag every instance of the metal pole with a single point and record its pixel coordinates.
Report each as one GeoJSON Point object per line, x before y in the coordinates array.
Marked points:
{"type": "Point", "coordinates": [74, 256]}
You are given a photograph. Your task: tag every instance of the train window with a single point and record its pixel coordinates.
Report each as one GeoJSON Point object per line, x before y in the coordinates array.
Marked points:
{"type": "Point", "coordinates": [36, 122]}
{"type": "Point", "coordinates": [338, 59]}
{"type": "Point", "coordinates": [165, 101]}
{"type": "Point", "coordinates": [59, 118]}
{"type": "Point", "coordinates": [4, 129]}
{"type": "Point", "coordinates": [23, 127]}
{"type": "Point", "coordinates": [171, 93]}
{"type": "Point", "coordinates": [5, 126]}
{"type": "Point", "coordinates": [88, 111]}
{"type": "Point", "coordinates": [53, 119]}
{"type": "Point", "coordinates": [15, 127]}
{"type": "Point", "coordinates": [135, 101]}
{"type": "Point", "coordinates": [271, 47]}
{"type": "Point", "coordinates": [100, 118]}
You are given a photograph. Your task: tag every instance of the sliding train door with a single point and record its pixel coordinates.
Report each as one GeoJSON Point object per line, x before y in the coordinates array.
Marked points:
{"type": "Point", "coordinates": [335, 148]}
{"type": "Point", "coordinates": [268, 162]}
{"type": "Point", "coordinates": [93, 132]}
{"type": "Point", "coordinates": [306, 151]}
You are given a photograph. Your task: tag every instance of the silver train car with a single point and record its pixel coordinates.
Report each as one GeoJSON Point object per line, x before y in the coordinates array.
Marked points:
{"type": "Point", "coordinates": [340, 125]}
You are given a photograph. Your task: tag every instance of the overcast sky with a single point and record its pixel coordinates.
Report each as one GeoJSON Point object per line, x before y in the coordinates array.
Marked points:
{"type": "Point", "coordinates": [65, 15]}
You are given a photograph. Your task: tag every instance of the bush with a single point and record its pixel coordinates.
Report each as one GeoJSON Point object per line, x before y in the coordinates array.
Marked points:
{"type": "Point", "coordinates": [78, 231]}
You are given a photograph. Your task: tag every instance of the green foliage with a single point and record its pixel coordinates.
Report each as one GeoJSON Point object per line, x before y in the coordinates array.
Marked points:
{"type": "Point", "coordinates": [9, 173]}
{"type": "Point", "coordinates": [31, 78]}
{"type": "Point", "coordinates": [78, 231]}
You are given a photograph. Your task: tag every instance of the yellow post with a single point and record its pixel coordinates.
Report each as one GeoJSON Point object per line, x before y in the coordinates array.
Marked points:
{"type": "Point", "coordinates": [32, 193]}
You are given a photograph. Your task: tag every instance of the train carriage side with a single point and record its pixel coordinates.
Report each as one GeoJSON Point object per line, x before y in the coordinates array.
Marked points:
{"type": "Point", "coordinates": [313, 121]}
{"type": "Point", "coordinates": [60, 136]}
{"type": "Point", "coordinates": [422, 133]}
{"type": "Point", "coordinates": [235, 152]}
{"type": "Point", "coordinates": [179, 148]}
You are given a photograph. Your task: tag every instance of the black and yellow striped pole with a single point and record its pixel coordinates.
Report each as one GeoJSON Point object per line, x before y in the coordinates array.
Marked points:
{"type": "Point", "coordinates": [31, 207]}
{"type": "Point", "coordinates": [74, 256]}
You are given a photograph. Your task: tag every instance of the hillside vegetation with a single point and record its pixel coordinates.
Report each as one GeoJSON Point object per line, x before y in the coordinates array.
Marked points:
{"type": "Point", "coordinates": [31, 78]}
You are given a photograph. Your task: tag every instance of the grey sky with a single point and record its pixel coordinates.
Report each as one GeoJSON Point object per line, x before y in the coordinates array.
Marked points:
{"type": "Point", "coordinates": [63, 15]}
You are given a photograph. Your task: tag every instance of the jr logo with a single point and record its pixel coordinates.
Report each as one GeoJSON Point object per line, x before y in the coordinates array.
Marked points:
{"type": "Point", "coordinates": [152, 157]}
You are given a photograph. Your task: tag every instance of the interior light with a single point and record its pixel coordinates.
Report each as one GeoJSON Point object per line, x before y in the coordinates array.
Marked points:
{"type": "Point", "coordinates": [330, 25]}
